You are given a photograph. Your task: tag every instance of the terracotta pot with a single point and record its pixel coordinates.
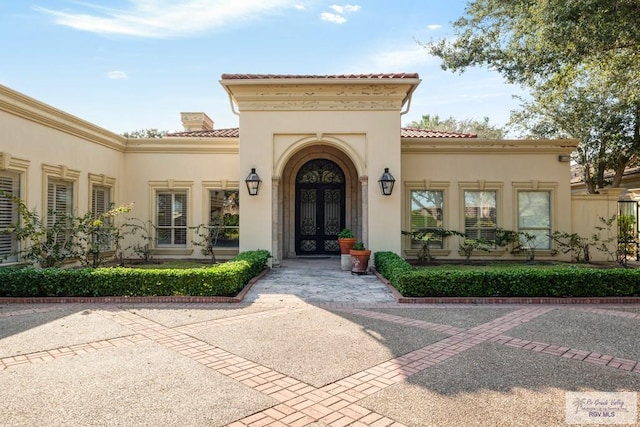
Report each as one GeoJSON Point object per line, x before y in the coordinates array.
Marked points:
{"type": "Point", "coordinates": [359, 260]}
{"type": "Point", "coordinates": [346, 243]}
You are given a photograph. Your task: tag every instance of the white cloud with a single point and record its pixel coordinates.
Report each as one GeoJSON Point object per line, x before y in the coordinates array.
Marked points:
{"type": "Point", "coordinates": [332, 17]}
{"type": "Point", "coordinates": [434, 27]}
{"type": "Point", "coordinates": [299, 6]}
{"type": "Point", "coordinates": [337, 17]}
{"type": "Point", "coordinates": [346, 8]}
{"type": "Point", "coordinates": [164, 18]}
{"type": "Point", "coordinates": [351, 8]}
{"type": "Point", "coordinates": [117, 75]}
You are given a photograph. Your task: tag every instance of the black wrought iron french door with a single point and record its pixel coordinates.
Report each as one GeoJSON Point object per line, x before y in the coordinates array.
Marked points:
{"type": "Point", "coordinates": [320, 211]}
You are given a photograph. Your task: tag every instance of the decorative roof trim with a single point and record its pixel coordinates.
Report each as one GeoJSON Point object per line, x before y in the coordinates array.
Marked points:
{"type": "Point", "coordinates": [191, 145]}
{"type": "Point", "coordinates": [429, 133]}
{"type": "Point", "coordinates": [404, 133]}
{"type": "Point", "coordinates": [320, 76]}
{"type": "Point", "coordinates": [20, 105]}
{"type": "Point", "coordinates": [487, 146]}
{"type": "Point", "coordinates": [213, 133]}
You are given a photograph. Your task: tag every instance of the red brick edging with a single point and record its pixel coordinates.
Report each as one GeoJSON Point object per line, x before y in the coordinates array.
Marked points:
{"type": "Point", "coordinates": [119, 300]}
{"type": "Point", "coordinates": [503, 300]}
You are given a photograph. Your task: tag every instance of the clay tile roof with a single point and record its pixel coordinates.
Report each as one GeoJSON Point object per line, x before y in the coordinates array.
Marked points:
{"type": "Point", "coordinates": [316, 76]}
{"type": "Point", "coordinates": [215, 133]}
{"type": "Point", "coordinates": [426, 133]}
{"type": "Point", "coordinates": [404, 133]}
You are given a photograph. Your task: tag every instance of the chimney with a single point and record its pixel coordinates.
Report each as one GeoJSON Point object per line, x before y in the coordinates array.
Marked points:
{"type": "Point", "coordinates": [196, 121]}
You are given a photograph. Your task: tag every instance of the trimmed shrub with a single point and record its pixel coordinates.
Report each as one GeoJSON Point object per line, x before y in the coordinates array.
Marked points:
{"type": "Point", "coordinates": [520, 282]}
{"type": "Point", "coordinates": [391, 266]}
{"type": "Point", "coordinates": [220, 280]}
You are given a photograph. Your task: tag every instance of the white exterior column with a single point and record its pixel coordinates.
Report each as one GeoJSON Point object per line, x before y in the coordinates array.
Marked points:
{"type": "Point", "coordinates": [364, 184]}
{"type": "Point", "coordinates": [276, 227]}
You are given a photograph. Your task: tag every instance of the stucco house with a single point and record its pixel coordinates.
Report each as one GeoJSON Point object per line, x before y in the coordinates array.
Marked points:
{"type": "Point", "coordinates": [319, 146]}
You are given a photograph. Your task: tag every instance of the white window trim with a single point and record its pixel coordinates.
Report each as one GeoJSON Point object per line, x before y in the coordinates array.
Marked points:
{"type": "Point", "coordinates": [481, 185]}
{"type": "Point", "coordinates": [426, 185]}
{"type": "Point", "coordinates": [100, 180]}
{"type": "Point", "coordinates": [218, 185]}
{"type": "Point", "coordinates": [215, 185]}
{"type": "Point", "coordinates": [59, 173]}
{"type": "Point", "coordinates": [11, 211]}
{"type": "Point", "coordinates": [19, 167]}
{"type": "Point", "coordinates": [108, 183]}
{"type": "Point", "coordinates": [552, 188]}
{"type": "Point", "coordinates": [173, 186]}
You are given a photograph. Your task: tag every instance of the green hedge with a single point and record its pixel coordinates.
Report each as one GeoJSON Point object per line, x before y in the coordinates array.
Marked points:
{"type": "Point", "coordinates": [391, 266]}
{"type": "Point", "coordinates": [521, 282]}
{"type": "Point", "coordinates": [220, 280]}
{"type": "Point", "coordinates": [512, 282]}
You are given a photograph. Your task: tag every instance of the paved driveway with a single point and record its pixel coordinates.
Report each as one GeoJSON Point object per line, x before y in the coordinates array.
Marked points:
{"type": "Point", "coordinates": [295, 353]}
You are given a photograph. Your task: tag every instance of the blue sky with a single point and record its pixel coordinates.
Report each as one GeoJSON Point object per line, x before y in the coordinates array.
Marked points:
{"type": "Point", "coordinates": [133, 64]}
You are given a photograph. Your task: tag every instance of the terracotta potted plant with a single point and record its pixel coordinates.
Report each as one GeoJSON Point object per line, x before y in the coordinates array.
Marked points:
{"type": "Point", "coordinates": [346, 239]}
{"type": "Point", "coordinates": [359, 258]}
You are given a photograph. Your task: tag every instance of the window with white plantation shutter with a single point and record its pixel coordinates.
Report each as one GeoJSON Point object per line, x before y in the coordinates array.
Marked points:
{"type": "Point", "coordinates": [171, 218]}
{"type": "Point", "coordinates": [8, 216]}
{"type": "Point", "coordinates": [59, 201]}
{"type": "Point", "coordinates": [481, 214]}
{"type": "Point", "coordinates": [101, 204]}
{"type": "Point", "coordinates": [100, 200]}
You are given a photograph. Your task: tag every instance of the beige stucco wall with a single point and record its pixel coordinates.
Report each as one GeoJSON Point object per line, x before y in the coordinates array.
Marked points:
{"type": "Point", "coordinates": [38, 135]}
{"type": "Point", "coordinates": [152, 165]}
{"type": "Point", "coordinates": [275, 142]}
{"type": "Point", "coordinates": [369, 140]}
{"type": "Point", "coordinates": [587, 209]}
{"type": "Point", "coordinates": [280, 117]}
{"type": "Point", "coordinates": [505, 166]}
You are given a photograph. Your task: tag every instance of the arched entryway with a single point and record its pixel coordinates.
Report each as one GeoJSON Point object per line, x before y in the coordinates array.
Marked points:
{"type": "Point", "coordinates": [320, 207]}
{"type": "Point", "coordinates": [307, 165]}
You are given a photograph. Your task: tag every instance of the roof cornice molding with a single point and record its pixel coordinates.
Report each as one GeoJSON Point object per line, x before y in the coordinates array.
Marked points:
{"type": "Point", "coordinates": [170, 145]}
{"type": "Point", "coordinates": [320, 94]}
{"type": "Point", "coordinates": [487, 146]}
{"type": "Point", "coordinates": [18, 104]}
{"type": "Point", "coordinates": [304, 81]}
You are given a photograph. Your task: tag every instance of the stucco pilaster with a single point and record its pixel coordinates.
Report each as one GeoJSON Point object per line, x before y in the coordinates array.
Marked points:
{"type": "Point", "coordinates": [276, 227]}
{"type": "Point", "coordinates": [364, 185]}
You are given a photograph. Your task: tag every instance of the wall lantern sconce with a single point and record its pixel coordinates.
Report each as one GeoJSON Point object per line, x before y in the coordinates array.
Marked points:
{"type": "Point", "coordinates": [564, 158]}
{"type": "Point", "coordinates": [386, 182]}
{"type": "Point", "coordinates": [253, 182]}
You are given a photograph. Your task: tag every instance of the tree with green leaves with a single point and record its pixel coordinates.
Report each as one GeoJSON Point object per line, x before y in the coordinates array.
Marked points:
{"type": "Point", "coordinates": [579, 58]}
{"type": "Point", "coordinates": [481, 128]}
{"type": "Point", "coordinates": [608, 129]}
{"type": "Point", "coordinates": [531, 40]}
{"type": "Point", "coordinates": [146, 133]}
{"type": "Point", "coordinates": [87, 239]}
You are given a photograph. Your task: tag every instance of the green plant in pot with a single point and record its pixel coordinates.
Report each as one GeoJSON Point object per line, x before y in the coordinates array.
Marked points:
{"type": "Point", "coordinates": [346, 239]}
{"type": "Point", "coordinates": [359, 258]}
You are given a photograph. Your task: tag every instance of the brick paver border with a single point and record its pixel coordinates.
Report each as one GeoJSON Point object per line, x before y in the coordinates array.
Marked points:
{"type": "Point", "coordinates": [335, 404]}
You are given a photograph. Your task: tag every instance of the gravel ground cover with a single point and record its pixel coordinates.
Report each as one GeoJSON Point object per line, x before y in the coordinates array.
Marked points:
{"type": "Point", "coordinates": [633, 309]}
{"type": "Point", "coordinates": [317, 346]}
{"type": "Point", "coordinates": [52, 329]}
{"type": "Point", "coordinates": [494, 385]}
{"type": "Point", "coordinates": [611, 335]}
{"type": "Point", "coordinates": [171, 315]}
{"type": "Point", "coordinates": [462, 317]}
{"type": "Point", "coordinates": [145, 385]}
